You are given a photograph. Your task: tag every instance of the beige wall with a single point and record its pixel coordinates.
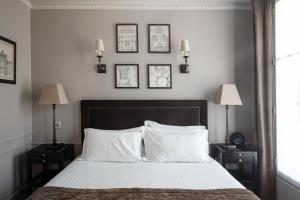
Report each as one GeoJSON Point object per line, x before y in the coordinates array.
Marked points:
{"type": "Point", "coordinates": [63, 51]}
{"type": "Point", "coordinates": [15, 100]}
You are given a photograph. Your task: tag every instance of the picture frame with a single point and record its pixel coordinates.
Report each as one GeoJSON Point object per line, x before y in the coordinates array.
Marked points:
{"type": "Point", "coordinates": [127, 39]}
{"type": "Point", "coordinates": [8, 61]}
{"type": "Point", "coordinates": [159, 38]}
{"type": "Point", "coordinates": [127, 76]}
{"type": "Point", "coordinates": [159, 76]}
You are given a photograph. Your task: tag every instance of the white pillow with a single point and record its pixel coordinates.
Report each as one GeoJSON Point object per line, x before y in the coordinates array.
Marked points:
{"type": "Point", "coordinates": [135, 129]}
{"type": "Point", "coordinates": [150, 123]}
{"type": "Point", "coordinates": [112, 145]}
{"type": "Point", "coordinates": [202, 132]}
{"type": "Point", "coordinates": [175, 146]}
{"type": "Point", "coordinates": [153, 124]}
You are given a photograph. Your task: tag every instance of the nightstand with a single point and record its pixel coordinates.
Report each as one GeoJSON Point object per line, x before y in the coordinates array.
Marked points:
{"type": "Point", "coordinates": [50, 161]}
{"type": "Point", "coordinates": [241, 163]}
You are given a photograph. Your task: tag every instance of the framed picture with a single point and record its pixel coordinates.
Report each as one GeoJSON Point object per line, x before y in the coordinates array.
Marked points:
{"type": "Point", "coordinates": [126, 76]}
{"type": "Point", "coordinates": [127, 38]}
{"type": "Point", "coordinates": [7, 61]}
{"type": "Point", "coordinates": [159, 38]}
{"type": "Point", "coordinates": [160, 76]}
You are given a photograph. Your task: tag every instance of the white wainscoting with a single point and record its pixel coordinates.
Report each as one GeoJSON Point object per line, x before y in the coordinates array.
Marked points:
{"type": "Point", "coordinates": [13, 165]}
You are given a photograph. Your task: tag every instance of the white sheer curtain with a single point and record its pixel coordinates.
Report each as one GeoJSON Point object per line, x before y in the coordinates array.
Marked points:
{"type": "Point", "coordinates": [288, 89]}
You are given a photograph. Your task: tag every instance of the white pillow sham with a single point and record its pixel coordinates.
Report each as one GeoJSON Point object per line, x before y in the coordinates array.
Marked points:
{"type": "Point", "coordinates": [150, 123]}
{"type": "Point", "coordinates": [112, 145]}
{"type": "Point", "coordinates": [186, 129]}
{"type": "Point", "coordinates": [135, 129]}
{"type": "Point", "coordinates": [175, 146]}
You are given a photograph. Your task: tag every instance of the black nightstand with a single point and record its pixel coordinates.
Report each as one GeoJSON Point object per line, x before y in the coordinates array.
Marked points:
{"type": "Point", "coordinates": [51, 162]}
{"type": "Point", "coordinates": [240, 163]}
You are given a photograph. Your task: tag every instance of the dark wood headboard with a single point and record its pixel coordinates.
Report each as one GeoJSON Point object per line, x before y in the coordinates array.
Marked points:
{"type": "Point", "coordinates": [122, 114]}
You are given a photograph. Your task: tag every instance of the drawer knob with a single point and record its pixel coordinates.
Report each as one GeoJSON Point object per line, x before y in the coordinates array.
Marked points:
{"type": "Point", "coordinates": [240, 154]}
{"type": "Point", "coordinates": [43, 160]}
{"type": "Point", "coordinates": [240, 160]}
{"type": "Point", "coordinates": [43, 154]}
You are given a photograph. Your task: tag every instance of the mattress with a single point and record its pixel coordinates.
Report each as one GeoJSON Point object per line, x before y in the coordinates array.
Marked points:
{"type": "Point", "coordinates": [104, 175]}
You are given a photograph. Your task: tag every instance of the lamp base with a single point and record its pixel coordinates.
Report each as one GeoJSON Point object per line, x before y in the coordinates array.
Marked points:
{"type": "Point", "coordinates": [54, 146]}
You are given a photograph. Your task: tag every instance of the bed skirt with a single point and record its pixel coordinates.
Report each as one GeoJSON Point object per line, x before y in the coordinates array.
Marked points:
{"type": "Point", "coordinates": [60, 193]}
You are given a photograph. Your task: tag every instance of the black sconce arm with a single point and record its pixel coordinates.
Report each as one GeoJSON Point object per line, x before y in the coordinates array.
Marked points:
{"type": "Point", "coordinates": [184, 68]}
{"type": "Point", "coordinates": [101, 68]}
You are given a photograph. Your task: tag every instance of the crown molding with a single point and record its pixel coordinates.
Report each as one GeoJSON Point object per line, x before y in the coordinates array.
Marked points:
{"type": "Point", "coordinates": [142, 4]}
{"type": "Point", "coordinates": [27, 3]}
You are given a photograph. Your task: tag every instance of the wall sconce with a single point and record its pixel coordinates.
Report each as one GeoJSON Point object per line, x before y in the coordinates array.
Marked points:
{"type": "Point", "coordinates": [101, 68]}
{"type": "Point", "coordinates": [185, 49]}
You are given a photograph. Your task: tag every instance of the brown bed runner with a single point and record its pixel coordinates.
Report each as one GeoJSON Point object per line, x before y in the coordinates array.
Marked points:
{"type": "Point", "coordinates": [60, 193]}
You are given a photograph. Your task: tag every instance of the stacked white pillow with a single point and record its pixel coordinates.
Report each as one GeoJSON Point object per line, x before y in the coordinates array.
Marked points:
{"type": "Point", "coordinates": [112, 145]}
{"type": "Point", "coordinates": [165, 143]}
{"type": "Point", "coordinates": [150, 123]}
{"type": "Point", "coordinates": [200, 128]}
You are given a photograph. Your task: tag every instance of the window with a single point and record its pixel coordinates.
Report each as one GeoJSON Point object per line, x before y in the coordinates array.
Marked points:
{"type": "Point", "coordinates": [287, 34]}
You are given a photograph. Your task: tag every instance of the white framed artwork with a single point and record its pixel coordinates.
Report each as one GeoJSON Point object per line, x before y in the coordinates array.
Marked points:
{"type": "Point", "coordinates": [159, 76]}
{"type": "Point", "coordinates": [127, 38]}
{"type": "Point", "coordinates": [159, 38]}
{"type": "Point", "coordinates": [126, 76]}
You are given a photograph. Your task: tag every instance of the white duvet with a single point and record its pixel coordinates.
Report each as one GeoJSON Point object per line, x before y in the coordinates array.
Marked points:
{"type": "Point", "coordinates": [103, 175]}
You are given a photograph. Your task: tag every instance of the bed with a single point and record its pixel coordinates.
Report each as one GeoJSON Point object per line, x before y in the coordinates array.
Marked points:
{"type": "Point", "coordinates": [142, 180]}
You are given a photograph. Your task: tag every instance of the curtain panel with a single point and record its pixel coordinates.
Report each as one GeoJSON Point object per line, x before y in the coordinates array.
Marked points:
{"type": "Point", "coordinates": [263, 19]}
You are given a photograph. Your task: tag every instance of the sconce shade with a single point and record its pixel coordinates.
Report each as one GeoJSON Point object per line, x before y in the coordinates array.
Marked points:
{"type": "Point", "coordinates": [228, 95]}
{"type": "Point", "coordinates": [185, 47]}
{"type": "Point", "coordinates": [100, 47]}
{"type": "Point", "coordinates": [53, 94]}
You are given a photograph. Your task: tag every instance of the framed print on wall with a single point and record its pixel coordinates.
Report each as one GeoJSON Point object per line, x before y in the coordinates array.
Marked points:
{"type": "Point", "coordinates": [159, 76]}
{"type": "Point", "coordinates": [127, 38]}
{"type": "Point", "coordinates": [126, 76]}
{"type": "Point", "coordinates": [7, 61]}
{"type": "Point", "coordinates": [159, 38]}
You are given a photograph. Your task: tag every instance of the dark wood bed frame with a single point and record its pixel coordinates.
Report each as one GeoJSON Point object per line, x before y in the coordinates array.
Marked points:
{"type": "Point", "coordinates": [122, 114]}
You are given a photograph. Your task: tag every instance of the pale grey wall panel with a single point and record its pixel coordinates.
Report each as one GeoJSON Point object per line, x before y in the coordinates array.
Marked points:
{"type": "Point", "coordinates": [63, 44]}
{"type": "Point", "coordinates": [15, 100]}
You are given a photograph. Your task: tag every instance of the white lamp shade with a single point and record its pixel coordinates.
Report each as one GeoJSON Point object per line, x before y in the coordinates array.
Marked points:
{"type": "Point", "coordinates": [53, 94]}
{"type": "Point", "coordinates": [228, 95]}
{"type": "Point", "coordinates": [100, 47]}
{"type": "Point", "coordinates": [185, 47]}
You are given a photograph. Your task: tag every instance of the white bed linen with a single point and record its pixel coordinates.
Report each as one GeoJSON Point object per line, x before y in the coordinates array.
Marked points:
{"type": "Point", "coordinates": [103, 175]}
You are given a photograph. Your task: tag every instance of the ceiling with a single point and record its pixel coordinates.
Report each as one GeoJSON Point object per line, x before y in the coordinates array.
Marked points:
{"type": "Point", "coordinates": [140, 4]}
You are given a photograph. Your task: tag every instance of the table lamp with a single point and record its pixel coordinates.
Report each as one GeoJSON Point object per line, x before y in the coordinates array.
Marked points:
{"type": "Point", "coordinates": [228, 95]}
{"type": "Point", "coordinates": [53, 94]}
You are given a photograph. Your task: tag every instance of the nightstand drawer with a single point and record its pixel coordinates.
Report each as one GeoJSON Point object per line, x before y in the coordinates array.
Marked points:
{"type": "Point", "coordinates": [38, 158]}
{"type": "Point", "coordinates": [235, 158]}
{"type": "Point", "coordinates": [49, 158]}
